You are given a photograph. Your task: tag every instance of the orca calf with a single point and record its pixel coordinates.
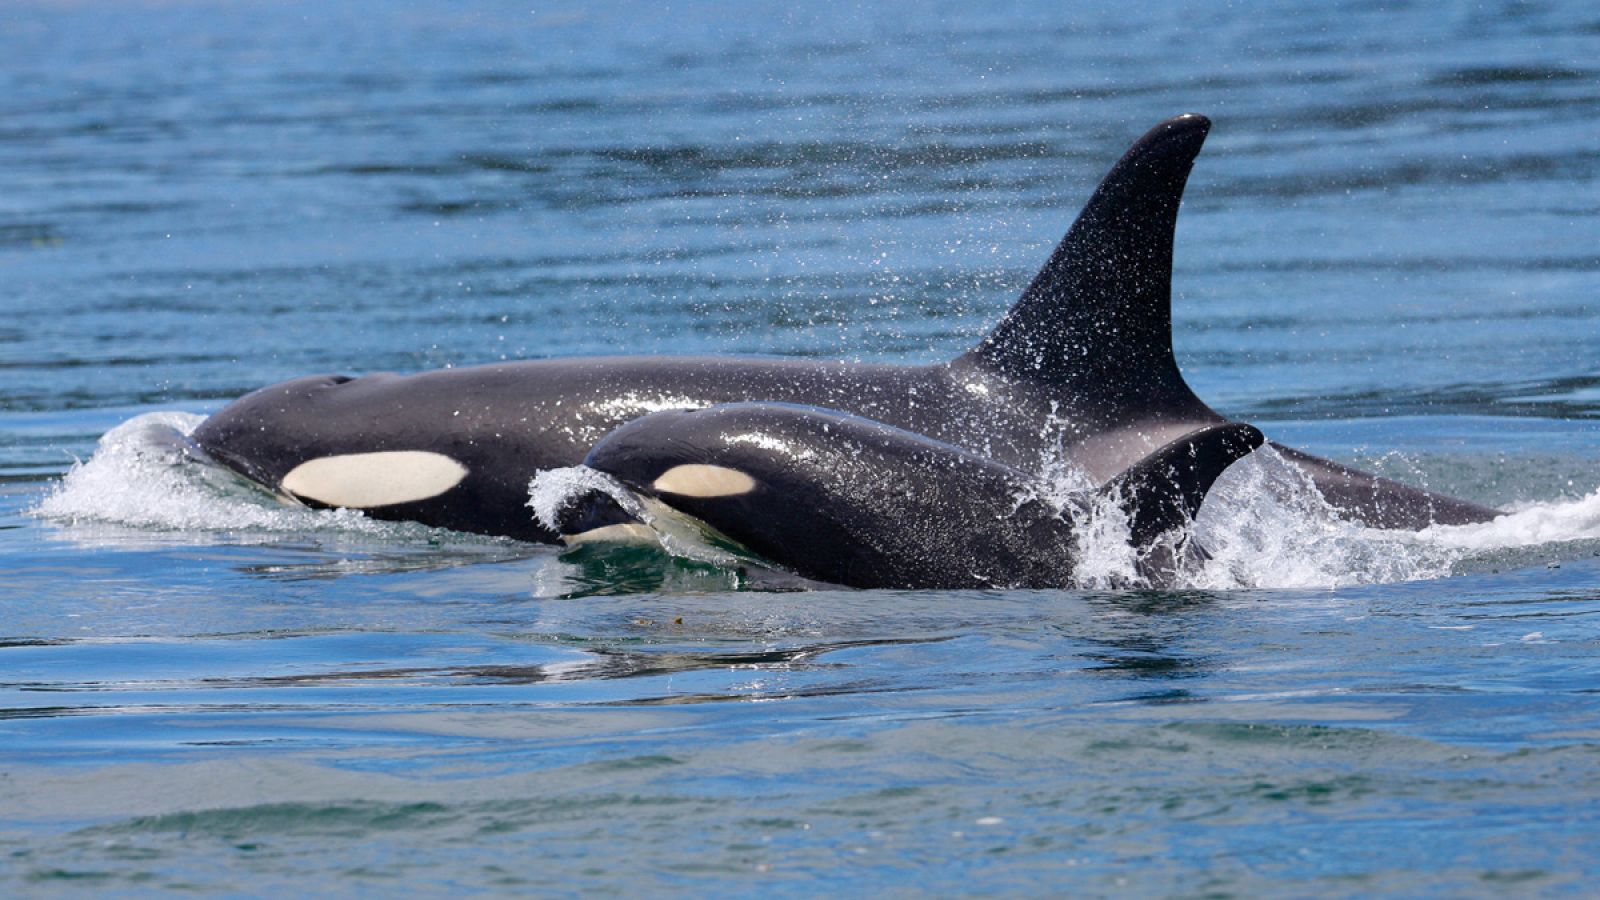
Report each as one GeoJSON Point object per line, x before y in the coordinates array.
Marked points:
{"type": "Point", "coordinates": [841, 499]}
{"type": "Point", "coordinates": [1080, 370]}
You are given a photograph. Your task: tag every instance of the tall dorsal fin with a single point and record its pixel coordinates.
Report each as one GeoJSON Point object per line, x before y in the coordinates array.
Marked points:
{"type": "Point", "coordinates": [1099, 314]}
{"type": "Point", "coordinates": [1165, 489]}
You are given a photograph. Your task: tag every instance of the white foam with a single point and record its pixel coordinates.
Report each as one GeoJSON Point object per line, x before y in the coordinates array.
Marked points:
{"type": "Point", "coordinates": [1265, 525]}
{"type": "Point", "coordinates": [1105, 558]}
{"type": "Point", "coordinates": [1102, 529]}
{"type": "Point", "coordinates": [1526, 526]}
{"type": "Point", "coordinates": [141, 476]}
{"type": "Point", "coordinates": [550, 490]}
{"type": "Point", "coordinates": [1103, 536]}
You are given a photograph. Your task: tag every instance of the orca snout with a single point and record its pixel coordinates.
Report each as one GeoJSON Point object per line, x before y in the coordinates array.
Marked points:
{"type": "Point", "coordinates": [590, 510]}
{"type": "Point", "coordinates": [595, 515]}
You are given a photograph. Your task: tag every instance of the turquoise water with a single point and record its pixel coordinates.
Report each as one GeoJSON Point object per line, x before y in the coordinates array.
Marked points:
{"type": "Point", "coordinates": [1387, 255]}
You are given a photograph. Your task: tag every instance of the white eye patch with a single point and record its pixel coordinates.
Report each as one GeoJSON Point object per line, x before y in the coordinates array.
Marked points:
{"type": "Point", "coordinates": [696, 480]}
{"type": "Point", "coordinates": [363, 480]}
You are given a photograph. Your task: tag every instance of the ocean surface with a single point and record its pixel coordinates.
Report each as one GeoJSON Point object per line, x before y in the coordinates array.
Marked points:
{"type": "Point", "coordinates": [1389, 254]}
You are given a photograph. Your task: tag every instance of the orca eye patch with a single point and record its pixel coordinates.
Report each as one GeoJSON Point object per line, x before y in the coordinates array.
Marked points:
{"type": "Point", "coordinates": [699, 480]}
{"type": "Point", "coordinates": [364, 480]}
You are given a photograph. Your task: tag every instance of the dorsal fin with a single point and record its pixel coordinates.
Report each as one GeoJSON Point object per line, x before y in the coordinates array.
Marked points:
{"type": "Point", "coordinates": [1099, 314]}
{"type": "Point", "coordinates": [1165, 489]}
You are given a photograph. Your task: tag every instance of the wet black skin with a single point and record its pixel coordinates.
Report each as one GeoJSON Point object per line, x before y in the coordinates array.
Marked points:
{"type": "Point", "coordinates": [845, 500]}
{"type": "Point", "coordinates": [1080, 368]}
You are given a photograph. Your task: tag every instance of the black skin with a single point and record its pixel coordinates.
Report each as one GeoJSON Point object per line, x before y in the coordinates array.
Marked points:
{"type": "Point", "coordinates": [845, 500]}
{"type": "Point", "coordinates": [1080, 369]}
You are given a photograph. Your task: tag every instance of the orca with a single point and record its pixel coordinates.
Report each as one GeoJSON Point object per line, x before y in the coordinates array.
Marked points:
{"type": "Point", "coordinates": [1080, 371]}
{"type": "Point", "coordinates": [841, 499]}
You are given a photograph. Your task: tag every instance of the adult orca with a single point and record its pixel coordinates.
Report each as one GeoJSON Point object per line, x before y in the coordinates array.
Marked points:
{"type": "Point", "coordinates": [841, 499]}
{"type": "Point", "coordinates": [1080, 371]}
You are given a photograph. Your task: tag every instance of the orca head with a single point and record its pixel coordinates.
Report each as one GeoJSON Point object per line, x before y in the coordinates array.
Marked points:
{"type": "Point", "coordinates": [681, 458]}
{"type": "Point", "coordinates": [595, 516]}
{"type": "Point", "coordinates": [310, 439]}
{"type": "Point", "coordinates": [263, 435]}
{"type": "Point", "coordinates": [759, 480]}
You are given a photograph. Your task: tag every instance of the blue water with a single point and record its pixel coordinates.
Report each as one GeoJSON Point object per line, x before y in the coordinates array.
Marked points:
{"type": "Point", "coordinates": [1388, 255]}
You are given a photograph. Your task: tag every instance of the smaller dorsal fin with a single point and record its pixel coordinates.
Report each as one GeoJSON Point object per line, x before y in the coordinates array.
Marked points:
{"type": "Point", "coordinates": [1165, 489]}
{"type": "Point", "coordinates": [1099, 314]}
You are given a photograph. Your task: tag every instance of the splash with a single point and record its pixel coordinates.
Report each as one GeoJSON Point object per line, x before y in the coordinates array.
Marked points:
{"type": "Point", "coordinates": [679, 534]}
{"type": "Point", "coordinates": [1265, 525]}
{"type": "Point", "coordinates": [147, 474]}
{"type": "Point", "coordinates": [1104, 555]}
{"type": "Point", "coordinates": [551, 489]}
{"type": "Point", "coordinates": [1102, 536]}
{"type": "Point", "coordinates": [1528, 525]}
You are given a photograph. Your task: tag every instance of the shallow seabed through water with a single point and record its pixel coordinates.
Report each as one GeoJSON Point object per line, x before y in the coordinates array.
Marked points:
{"type": "Point", "coordinates": [1386, 256]}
